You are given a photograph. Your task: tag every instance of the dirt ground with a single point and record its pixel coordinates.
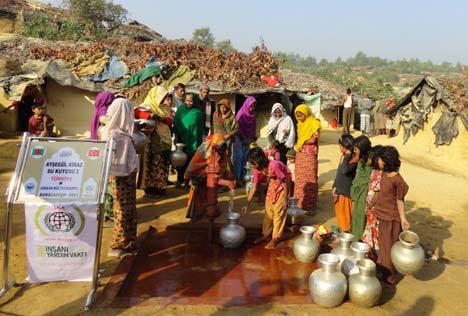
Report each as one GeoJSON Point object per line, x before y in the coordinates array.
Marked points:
{"type": "Point", "coordinates": [437, 207]}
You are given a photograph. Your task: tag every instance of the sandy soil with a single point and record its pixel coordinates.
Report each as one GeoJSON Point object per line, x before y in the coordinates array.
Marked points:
{"type": "Point", "coordinates": [437, 206]}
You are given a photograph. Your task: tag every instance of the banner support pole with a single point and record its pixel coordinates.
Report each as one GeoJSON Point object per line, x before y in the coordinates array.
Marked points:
{"type": "Point", "coordinates": [12, 187]}
{"type": "Point", "coordinates": [102, 196]}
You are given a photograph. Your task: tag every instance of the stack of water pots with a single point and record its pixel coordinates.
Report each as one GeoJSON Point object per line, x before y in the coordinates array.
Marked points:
{"type": "Point", "coordinates": [328, 284]}
{"type": "Point", "coordinates": [346, 269]}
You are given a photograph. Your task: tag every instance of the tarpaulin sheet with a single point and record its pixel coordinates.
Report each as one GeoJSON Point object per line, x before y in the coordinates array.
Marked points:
{"type": "Point", "coordinates": [113, 69]}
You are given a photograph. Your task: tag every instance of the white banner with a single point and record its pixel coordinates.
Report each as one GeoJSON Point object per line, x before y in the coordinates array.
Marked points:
{"type": "Point", "coordinates": [60, 241]}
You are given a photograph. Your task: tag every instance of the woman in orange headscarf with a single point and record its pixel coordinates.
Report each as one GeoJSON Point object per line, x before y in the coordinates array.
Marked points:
{"type": "Point", "coordinates": [306, 177]}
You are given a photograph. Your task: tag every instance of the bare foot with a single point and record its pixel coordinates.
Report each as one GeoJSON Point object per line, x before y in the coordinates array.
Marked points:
{"type": "Point", "coordinates": [271, 245]}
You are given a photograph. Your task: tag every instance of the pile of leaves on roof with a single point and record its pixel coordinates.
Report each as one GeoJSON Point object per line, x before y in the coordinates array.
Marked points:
{"type": "Point", "coordinates": [457, 86]}
{"type": "Point", "coordinates": [233, 70]}
{"type": "Point", "coordinates": [304, 82]}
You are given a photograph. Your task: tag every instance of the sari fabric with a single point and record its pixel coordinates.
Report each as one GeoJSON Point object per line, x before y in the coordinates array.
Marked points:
{"type": "Point", "coordinates": [188, 126]}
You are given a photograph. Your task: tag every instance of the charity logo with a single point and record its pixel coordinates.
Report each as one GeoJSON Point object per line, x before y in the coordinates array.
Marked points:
{"type": "Point", "coordinates": [89, 188]}
{"type": "Point", "coordinates": [30, 186]}
{"type": "Point", "coordinates": [38, 152]}
{"type": "Point", "coordinates": [59, 221]}
{"type": "Point", "coordinates": [55, 219]}
{"type": "Point", "coordinates": [66, 152]}
{"type": "Point", "coordinates": [93, 153]}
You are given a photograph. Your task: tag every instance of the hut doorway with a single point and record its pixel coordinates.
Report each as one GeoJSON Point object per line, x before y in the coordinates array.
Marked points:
{"type": "Point", "coordinates": [31, 96]}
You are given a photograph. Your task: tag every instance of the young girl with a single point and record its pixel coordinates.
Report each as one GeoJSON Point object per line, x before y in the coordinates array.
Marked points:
{"type": "Point", "coordinates": [277, 195]}
{"type": "Point", "coordinates": [370, 236]}
{"type": "Point", "coordinates": [275, 152]}
{"type": "Point", "coordinates": [359, 188]}
{"type": "Point", "coordinates": [390, 210]}
{"type": "Point", "coordinates": [342, 185]}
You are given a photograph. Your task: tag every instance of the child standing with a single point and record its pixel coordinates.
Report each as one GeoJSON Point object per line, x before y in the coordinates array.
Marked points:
{"type": "Point", "coordinates": [390, 210]}
{"type": "Point", "coordinates": [370, 235]}
{"type": "Point", "coordinates": [40, 124]}
{"type": "Point", "coordinates": [360, 185]}
{"type": "Point", "coordinates": [277, 195]}
{"type": "Point", "coordinates": [342, 185]}
{"type": "Point", "coordinates": [276, 152]}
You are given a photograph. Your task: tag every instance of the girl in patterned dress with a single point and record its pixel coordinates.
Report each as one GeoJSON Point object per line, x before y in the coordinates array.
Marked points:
{"type": "Point", "coordinates": [276, 202]}
{"type": "Point", "coordinates": [370, 235]}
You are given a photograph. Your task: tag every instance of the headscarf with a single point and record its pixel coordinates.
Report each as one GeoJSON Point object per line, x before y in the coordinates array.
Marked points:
{"type": "Point", "coordinates": [101, 103]}
{"type": "Point", "coordinates": [247, 121]}
{"type": "Point", "coordinates": [189, 127]}
{"type": "Point", "coordinates": [200, 160]}
{"type": "Point", "coordinates": [154, 101]}
{"type": "Point", "coordinates": [120, 126]}
{"type": "Point", "coordinates": [284, 122]}
{"type": "Point", "coordinates": [306, 129]}
{"type": "Point", "coordinates": [121, 117]}
{"type": "Point", "coordinates": [227, 125]}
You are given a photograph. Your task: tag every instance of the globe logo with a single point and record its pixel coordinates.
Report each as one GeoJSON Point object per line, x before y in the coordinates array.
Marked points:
{"type": "Point", "coordinates": [59, 221]}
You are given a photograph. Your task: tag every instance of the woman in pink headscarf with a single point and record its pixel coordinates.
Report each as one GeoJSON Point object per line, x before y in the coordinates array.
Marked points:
{"type": "Point", "coordinates": [247, 122]}
{"type": "Point", "coordinates": [101, 103]}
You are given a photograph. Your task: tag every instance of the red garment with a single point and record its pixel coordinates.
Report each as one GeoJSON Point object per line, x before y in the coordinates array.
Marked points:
{"type": "Point", "coordinates": [277, 174]}
{"type": "Point", "coordinates": [36, 124]}
{"type": "Point", "coordinates": [306, 179]}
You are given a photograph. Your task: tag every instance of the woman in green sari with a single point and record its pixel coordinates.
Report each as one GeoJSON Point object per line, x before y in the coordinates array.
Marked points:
{"type": "Point", "coordinates": [359, 187]}
{"type": "Point", "coordinates": [188, 129]}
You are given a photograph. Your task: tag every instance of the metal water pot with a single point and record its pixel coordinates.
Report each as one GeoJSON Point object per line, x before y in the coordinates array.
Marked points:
{"type": "Point", "coordinates": [248, 173]}
{"type": "Point", "coordinates": [293, 209]}
{"type": "Point", "coordinates": [305, 248]}
{"type": "Point", "coordinates": [349, 265]}
{"type": "Point", "coordinates": [407, 255]}
{"type": "Point", "coordinates": [328, 285]}
{"type": "Point", "coordinates": [178, 157]}
{"type": "Point", "coordinates": [232, 235]}
{"type": "Point", "coordinates": [364, 288]}
{"type": "Point", "coordinates": [139, 140]}
{"type": "Point", "coordinates": [343, 250]}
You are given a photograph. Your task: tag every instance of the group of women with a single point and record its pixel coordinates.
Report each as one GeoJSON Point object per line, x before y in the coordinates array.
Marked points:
{"type": "Point", "coordinates": [231, 135]}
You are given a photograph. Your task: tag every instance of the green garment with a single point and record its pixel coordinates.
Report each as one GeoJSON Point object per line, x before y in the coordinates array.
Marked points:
{"type": "Point", "coordinates": [142, 75]}
{"type": "Point", "coordinates": [188, 127]}
{"type": "Point", "coordinates": [359, 190]}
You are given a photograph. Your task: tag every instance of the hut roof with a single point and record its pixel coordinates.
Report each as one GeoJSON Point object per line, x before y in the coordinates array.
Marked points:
{"type": "Point", "coordinates": [235, 72]}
